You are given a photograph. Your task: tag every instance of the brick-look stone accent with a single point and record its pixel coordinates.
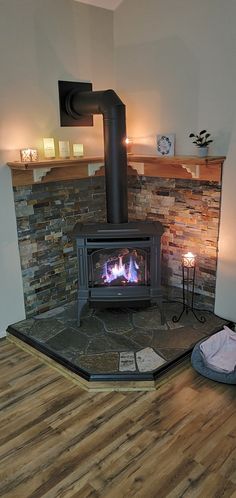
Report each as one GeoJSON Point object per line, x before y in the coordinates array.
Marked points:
{"type": "Point", "coordinates": [190, 212]}
{"type": "Point", "coordinates": [46, 213]}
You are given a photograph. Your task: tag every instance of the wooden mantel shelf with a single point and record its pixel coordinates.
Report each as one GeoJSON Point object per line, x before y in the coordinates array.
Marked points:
{"type": "Point", "coordinates": [192, 167]}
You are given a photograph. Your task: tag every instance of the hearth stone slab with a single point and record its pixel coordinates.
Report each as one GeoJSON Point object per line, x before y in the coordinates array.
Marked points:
{"type": "Point", "coordinates": [174, 325]}
{"type": "Point", "coordinates": [177, 338]}
{"type": "Point", "coordinates": [42, 330]}
{"type": "Point", "coordinates": [115, 321]}
{"type": "Point", "coordinates": [25, 325]}
{"type": "Point", "coordinates": [68, 341]}
{"type": "Point", "coordinates": [170, 353]}
{"type": "Point", "coordinates": [111, 342]}
{"type": "Point", "coordinates": [141, 338]}
{"type": "Point", "coordinates": [91, 327]}
{"type": "Point", "coordinates": [99, 363]}
{"type": "Point", "coordinates": [127, 362]}
{"type": "Point", "coordinates": [148, 360]}
{"type": "Point", "coordinates": [102, 348]}
{"type": "Point", "coordinates": [149, 319]}
{"type": "Point", "coordinates": [52, 313]}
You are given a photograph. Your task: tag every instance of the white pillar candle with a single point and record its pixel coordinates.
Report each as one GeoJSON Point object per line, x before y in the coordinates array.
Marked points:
{"type": "Point", "coordinates": [78, 150]}
{"type": "Point", "coordinates": [64, 149]}
{"type": "Point", "coordinates": [49, 148]}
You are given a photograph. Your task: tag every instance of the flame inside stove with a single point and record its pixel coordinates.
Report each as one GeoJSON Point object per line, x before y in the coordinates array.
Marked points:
{"type": "Point", "coordinates": [128, 273]}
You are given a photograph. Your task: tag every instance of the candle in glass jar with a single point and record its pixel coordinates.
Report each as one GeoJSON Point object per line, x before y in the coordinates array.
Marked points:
{"type": "Point", "coordinates": [78, 150]}
{"type": "Point", "coordinates": [64, 149]}
{"type": "Point", "coordinates": [29, 155]}
{"type": "Point", "coordinates": [189, 260]}
{"type": "Point", "coordinates": [49, 148]}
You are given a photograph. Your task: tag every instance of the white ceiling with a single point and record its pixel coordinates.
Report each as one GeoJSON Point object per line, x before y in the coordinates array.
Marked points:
{"type": "Point", "coordinates": [105, 4]}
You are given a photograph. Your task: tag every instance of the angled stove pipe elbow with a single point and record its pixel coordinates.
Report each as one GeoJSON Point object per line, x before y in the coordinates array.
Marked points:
{"type": "Point", "coordinates": [79, 103]}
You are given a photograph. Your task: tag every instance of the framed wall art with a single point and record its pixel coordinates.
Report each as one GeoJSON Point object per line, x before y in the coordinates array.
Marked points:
{"type": "Point", "coordinates": [166, 145]}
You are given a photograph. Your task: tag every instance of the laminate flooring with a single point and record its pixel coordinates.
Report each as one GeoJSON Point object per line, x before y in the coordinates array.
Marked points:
{"type": "Point", "coordinates": [59, 441]}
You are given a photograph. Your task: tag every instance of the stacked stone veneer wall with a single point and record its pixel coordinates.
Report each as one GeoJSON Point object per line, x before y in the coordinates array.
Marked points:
{"type": "Point", "coordinates": [190, 212]}
{"type": "Point", "coordinates": [46, 213]}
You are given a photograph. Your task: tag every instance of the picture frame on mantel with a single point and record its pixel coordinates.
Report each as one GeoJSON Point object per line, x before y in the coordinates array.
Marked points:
{"type": "Point", "coordinates": [166, 144]}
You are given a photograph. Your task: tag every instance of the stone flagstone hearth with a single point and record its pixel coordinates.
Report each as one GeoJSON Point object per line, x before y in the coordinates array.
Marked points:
{"type": "Point", "coordinates": [115, 343]}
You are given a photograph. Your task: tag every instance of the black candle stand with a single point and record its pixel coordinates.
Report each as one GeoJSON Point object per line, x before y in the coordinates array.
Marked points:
{"type": "Point", "coordinates": [188, 282]}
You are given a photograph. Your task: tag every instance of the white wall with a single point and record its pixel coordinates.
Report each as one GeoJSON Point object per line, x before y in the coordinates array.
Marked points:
{"type": "Point", "coordinates": [175, 65]}
{"type": "Point", "coordinates": [226, 273]}
{"type": "Point", "coordinates": [42, 41]}
{"type": "Point", "coordinates": [176, 69]}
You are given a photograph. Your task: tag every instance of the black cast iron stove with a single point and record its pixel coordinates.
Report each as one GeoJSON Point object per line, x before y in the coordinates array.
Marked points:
{"type": "Point", "coordinates": [119, 264]}
{"type": "Point", "coordinates": [119, 261]}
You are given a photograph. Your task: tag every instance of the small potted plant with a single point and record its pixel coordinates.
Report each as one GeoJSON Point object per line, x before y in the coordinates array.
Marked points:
{"type": "Point", "coordinates": [202, 140]}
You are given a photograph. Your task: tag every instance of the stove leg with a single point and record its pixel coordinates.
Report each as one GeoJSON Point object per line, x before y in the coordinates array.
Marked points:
{"type": "Point", "coordinates": [81, 304]}
{"type": "Point", "coordinates": [161, 308]}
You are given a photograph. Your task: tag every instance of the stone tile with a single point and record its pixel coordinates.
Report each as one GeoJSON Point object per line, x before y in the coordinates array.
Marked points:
{"type": "Point", "coordinates": [68, 340]}
{"type": "Point", "coordinates": [116, 320]}
{"type": "Point", "coordinates": [99, 363]}
{"type": "Point", "coordinates": [148, 319]}
{"type": "Point", "coordinates": [177, 338]}
{"type": "Point", "coordinates": [127, 362]}
{"type": "Point", "coordinates": [148, 360]}
{"type": "Point", "coordinates": [174, 325]}
{"type": "Point", "coordinates": [170, 353]}
{"type": "Point", "coordinates": [22, 209]}
{"type": "Point", "coordinates": [91, 327]}
{"type": "Point", "coordinates": [24, 326]}
{"type": "Point", "coordinates": [42, 330]}
{"type": "Point", "coordinates": [51, 313]}
{"type": "Point", "coordinates": [111, 342]}
{"type": "Point", "coordinates": [140, 337]}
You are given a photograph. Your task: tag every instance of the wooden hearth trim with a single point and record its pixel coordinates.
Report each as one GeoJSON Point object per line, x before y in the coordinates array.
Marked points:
{"type": "Point", "coordinates": [186, 167]}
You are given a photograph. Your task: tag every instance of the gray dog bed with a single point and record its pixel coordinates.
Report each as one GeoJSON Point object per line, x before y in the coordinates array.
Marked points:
{"type": "Point", "coordinates": [199, 365]}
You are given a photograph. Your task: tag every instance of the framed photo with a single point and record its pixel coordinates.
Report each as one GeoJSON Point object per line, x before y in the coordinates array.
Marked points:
{"type": "Point", "coordinates": [166, 145]}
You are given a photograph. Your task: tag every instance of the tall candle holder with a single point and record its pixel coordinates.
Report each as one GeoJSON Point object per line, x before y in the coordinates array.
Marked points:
{"type": "Point", "coordinates": [188, 283]}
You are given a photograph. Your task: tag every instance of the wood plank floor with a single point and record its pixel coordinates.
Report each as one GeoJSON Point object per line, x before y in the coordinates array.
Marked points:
{"type": "Point", "coordinates": [59, 441]}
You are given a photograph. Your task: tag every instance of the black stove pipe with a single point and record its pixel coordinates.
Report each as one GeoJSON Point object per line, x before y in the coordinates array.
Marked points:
{"type": "Point", "coordinates": [112, 108]}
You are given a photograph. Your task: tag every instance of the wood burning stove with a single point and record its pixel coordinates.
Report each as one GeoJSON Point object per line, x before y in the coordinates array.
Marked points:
{"type": "Point", "coordinates": [119, 262]}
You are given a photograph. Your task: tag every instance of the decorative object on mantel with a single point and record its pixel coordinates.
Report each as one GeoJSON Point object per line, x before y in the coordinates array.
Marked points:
{"type": "Point", "coordinates": [201, 140]}
{"type": "Point", "coordinates": [166, 145]}
{"type": "Point", "coordinates": [64, 149]}
{"type": "Point", "coordinates": [129, 143]}
{"type": "Point", "coordinates": [49, 148]}
{"type": "Point", "coordinates": [188, 282]}
{"type": "Point", "coordinates": [29, 155]}
{"type": "Point", "coordinates": [78, 150]}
